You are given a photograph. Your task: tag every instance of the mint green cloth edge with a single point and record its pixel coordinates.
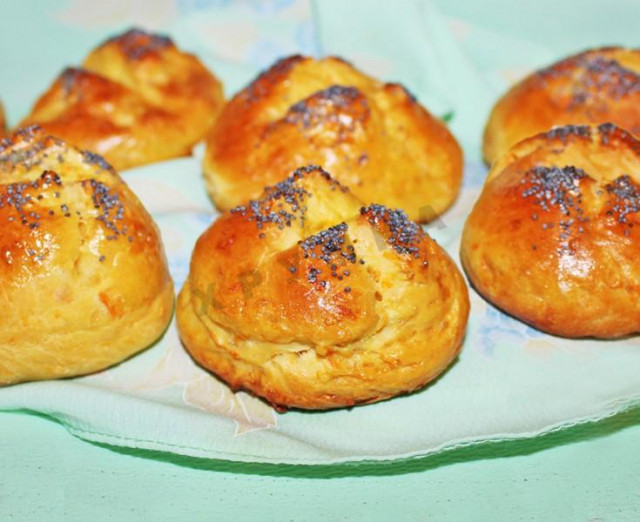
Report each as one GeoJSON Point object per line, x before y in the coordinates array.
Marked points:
{"type": "Point", "coordinates": [619, 407]}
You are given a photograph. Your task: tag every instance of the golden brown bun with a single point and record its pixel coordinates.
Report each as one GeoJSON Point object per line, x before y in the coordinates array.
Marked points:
{"type": "Point", "coordinates": [3, 123]}
{"type": "Point", "coordinates": [137, 99]}
{"type": "Point", "coordinates": [596, 86]}
{"type": "Point", "coordinates": [83, 276]}
{"type": "Point", "coordinates": [553, 239]}
{"type": "Point", "coordinates": [375, 138]}
{"type": "Point", "coordinates": [310, 300]}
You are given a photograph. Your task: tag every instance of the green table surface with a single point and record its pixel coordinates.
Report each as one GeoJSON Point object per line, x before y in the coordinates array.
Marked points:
{"type": "Point", "coordinates": [588, 473]}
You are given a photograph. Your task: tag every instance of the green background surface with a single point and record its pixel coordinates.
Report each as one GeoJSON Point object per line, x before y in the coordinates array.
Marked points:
{"type": "Point", "coordinates": [588, 473]}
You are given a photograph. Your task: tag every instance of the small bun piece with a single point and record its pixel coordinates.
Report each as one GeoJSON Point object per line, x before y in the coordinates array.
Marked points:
{"type": "Point", "coordinates": [311, 300]}
{"type": "Point", "coordinates": [83, 277]}
{"type": "Point", "coordinates": [3, 123]}
{"type": "Point", "coordinates": [374, 137]}
{"type": "Point", "coordinates": [596, 86]}
{"type": "Point", "coordinates": [554, 238]}
{"type": "Point", "coordinates": [136, 99]}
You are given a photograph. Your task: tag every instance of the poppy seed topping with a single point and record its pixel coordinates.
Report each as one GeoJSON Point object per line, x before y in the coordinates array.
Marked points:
{"type": "Point", "coordinates": [405, 235]}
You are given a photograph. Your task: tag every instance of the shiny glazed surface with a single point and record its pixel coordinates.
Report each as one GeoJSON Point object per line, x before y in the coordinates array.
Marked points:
{"type": "Point", "coordinates": [596, 86]}
{"type": "Point", "coordinates": [312, 300]}
{"type": "Point", "coordinates": [136, 99]}
{"type": "Point", "coordinates": [74, 243]}
{"type": "Point", "coordinates": [373, 137]}
{"type": "Point", "coordinates": [553, 238]}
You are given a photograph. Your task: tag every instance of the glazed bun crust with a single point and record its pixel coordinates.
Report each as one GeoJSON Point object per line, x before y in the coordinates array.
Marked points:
{"type": "Point", "coordinates": [596, 86]}
{"type": "Point", "coordinates": [375, 138]}
{"type": "Point", "coordinates": [3, 123]}
{"type": "Point", "coordinates": [83, 275]}
{"type": "Point", "coordinates": [553, 238]}
{"type": "Point", "coordinates": [136, 99]}
{"type": "Point", "coordinates": [310, 300]}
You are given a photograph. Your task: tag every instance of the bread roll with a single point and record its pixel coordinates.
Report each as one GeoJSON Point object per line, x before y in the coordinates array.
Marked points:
{"type": "Point", "coordinates": [136, 99]}
{"type": "Point", "coordinates": [375, 138]}
{"type": "Point", "coordinates": [596, 86]}
{"type": "Point", "coordinates": [311, 300]}
{"type": "Point", "coordinates": [3, 123]}
{"type": "Point", "coordinates": [83, 276]}
{"type": "Point", "coordinates": [554, 238]}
